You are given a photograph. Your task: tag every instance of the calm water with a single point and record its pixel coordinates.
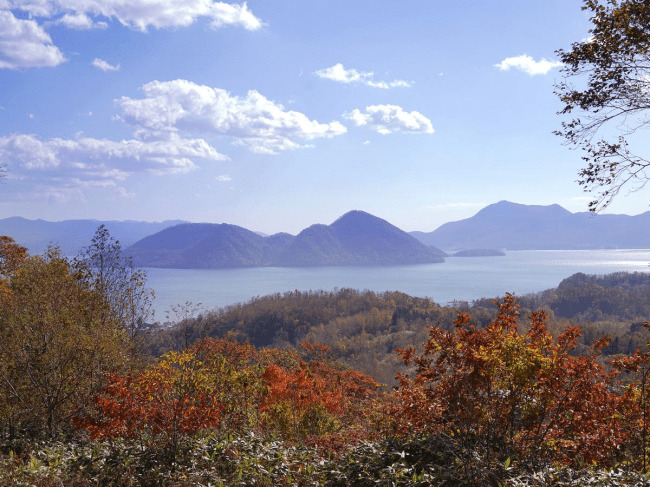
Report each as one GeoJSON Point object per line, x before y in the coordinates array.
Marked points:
{"type": "Point", "coordinates": [465, 278]}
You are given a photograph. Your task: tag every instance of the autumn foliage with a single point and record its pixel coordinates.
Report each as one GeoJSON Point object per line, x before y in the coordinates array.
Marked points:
{"type": "Point", "coordinates": [217, 382]}
{"type": "Point", "coordinates": [515, 395]}
{"type": "Point", "coordinates": [56, 341]}
{"type": "Point", "coordinates": [316, 397]}
{"type": "Point", "coordinates": [170, 399]}
{"type": "Point", "coordinates": [482, 397]}
{"type": "Point", "coordinates": [505, 394]}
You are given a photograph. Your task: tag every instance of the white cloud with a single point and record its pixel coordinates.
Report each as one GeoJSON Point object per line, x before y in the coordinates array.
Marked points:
{"type": "Point", "coordinates": [392, 84]}
{"type": "Point", "coordinates": [224, 14]}
{"type": "Point", "coordinates": [80, 21]}
{"type": "Point", "coordinates": [182, 106]}
{"type": "Point", "coordinates": [123, 193]}
{"type": "Point", "coordinates": [223, 178]}
{"type": "Point", "coordinates": [73, 166]}
{"type": "Point", "coordinates": [142, 14]}
{"type": "Point", "coordinates": [386, 119]}
{"type": "Point", "coordinates": [528, 65]}
{"type": "Point", "coordinates": [341, 75]}
{"type": "Point", "coordinates": [24, 44]}
{"type": "Point", "coordinates": [104, 66]}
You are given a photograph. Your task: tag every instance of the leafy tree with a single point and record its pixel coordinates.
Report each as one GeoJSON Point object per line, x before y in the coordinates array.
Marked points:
{"type": "Point", "coordinates": [637, 402]}
{"type": "Point", "coordinates": [174, 398]}
{"type": "Point", "coordinates": [120, 283]}
{"type": "Point", "coordinates": [56, 343]}
{"type": "Point", "coordinates": [184, 324]}
{"type": "Point", "coordinates": [508, 394]}
{"type": "Point", "coordinates": [317, 397]}
{"type": "Point", "coordinates": [11, 255]}
{"type": "Point", "coordinates": [615, 60]}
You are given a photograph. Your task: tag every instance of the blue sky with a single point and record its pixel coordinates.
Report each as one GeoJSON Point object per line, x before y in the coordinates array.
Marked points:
{"type": "Point", "coordinates": [274, 115]}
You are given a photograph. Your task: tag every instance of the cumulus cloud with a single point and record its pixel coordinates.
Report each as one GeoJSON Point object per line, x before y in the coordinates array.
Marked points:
{"type": "Point", "coordinates": [341, 75]}
{"type": "Point", "coordinates": [386, 119]}
{"type": "Point", "coordinates": [528, 65]}
{"type": "Point", "coordinates": [103, 155]}
{"type": "Point", "coordinates": [142, 14]}
{"type": "Point", "coordinates": [104, 66]}
{"type": "Point", "coordinates": [169, 124]}
{"type": "Point", "coordinates": [79, 21]}
{"type": "Point", "coordinates": [74, 166]}
{"type": "Point", "coordinates": [223, 178]}
{"type": "Point", "coordinates": [181, 106]}
{"type": "Point", "coordinates": [224, 14]}
{"type": "Point", "coordinates": [24, 44]}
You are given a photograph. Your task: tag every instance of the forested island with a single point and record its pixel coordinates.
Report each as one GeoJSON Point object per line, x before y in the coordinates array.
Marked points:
{"type": "Point", "coordinates": [355, 239]}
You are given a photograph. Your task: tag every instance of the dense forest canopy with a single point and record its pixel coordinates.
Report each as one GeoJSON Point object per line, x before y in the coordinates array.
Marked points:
{"type": "Point", "coordinates": [364, 327]}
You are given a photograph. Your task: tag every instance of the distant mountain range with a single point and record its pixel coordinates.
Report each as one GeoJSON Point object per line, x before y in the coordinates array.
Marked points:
{"type": "Point", "coordinates": [72, 235]}
{"type": "Point", "coordinates": [355, 239]}
{"type": "Point", "coordinates": [513, 226]}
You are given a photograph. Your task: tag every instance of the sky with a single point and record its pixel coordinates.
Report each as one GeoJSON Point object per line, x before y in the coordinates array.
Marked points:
{"type": "Point", "coordinates": [274, 115]}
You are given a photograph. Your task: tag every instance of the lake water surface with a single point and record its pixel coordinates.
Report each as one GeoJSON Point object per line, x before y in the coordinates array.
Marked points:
{"type": "Point", "coordinates": [465, 278]}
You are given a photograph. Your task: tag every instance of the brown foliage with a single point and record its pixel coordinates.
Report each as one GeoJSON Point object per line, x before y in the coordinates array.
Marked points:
{"type": "Point", "coordinates": [510, 394]}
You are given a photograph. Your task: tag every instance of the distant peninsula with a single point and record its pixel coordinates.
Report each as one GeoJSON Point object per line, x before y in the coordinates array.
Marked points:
{"type": "Point", "coordinates": [355, 239]}
{"type": "Point", "coordinates": [479, 253]}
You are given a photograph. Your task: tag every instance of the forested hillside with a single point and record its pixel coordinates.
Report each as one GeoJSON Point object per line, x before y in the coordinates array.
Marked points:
{"type": "Point", "coordinates": [364, 328]}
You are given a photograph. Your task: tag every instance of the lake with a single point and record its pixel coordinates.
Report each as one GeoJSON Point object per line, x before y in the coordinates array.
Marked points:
{"type": "Point", "coordinates": [462, 278]}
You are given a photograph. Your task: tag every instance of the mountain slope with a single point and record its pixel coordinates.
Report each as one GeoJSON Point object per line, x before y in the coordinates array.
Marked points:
{"type": "Point", "coordinates": [199, 246]}
{"type": "Point", "coordinates": [355, 239]}
{"type": "Point", "coordinates": [513, 226]}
